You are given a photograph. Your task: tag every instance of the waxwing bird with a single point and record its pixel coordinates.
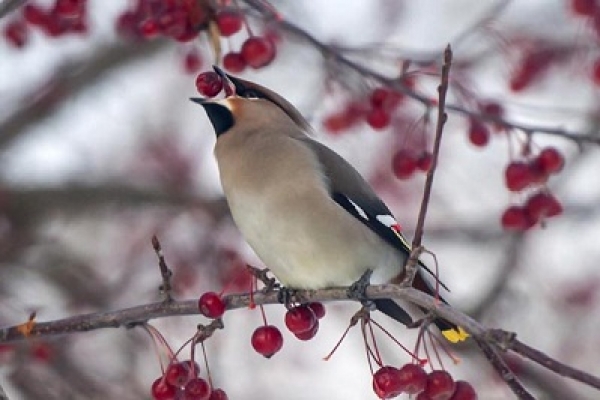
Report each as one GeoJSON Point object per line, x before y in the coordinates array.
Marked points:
{"type": "Point", "coordinates": [306, 212]}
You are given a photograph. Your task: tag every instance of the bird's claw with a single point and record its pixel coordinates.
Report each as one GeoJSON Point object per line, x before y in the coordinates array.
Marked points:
{"type": "Point", "coordinates": [286, 295]}
{"type": "Point", "coordinates": [357, 291]}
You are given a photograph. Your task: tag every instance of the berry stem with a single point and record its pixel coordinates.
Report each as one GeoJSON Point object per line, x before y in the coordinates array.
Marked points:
{"type": "Point", "coordinates": [435, 349]}
{"type": "Point", "coordinates": [262, 313]}
{"type": "Point", "coordinates": [208, 374]}
{"type": "Point", "coordinates": [410, 353]}
{"type": "Point", "coordinates": [374, 341]}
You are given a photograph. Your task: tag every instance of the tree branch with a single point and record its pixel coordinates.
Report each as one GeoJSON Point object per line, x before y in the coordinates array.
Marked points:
{"type": "Point", "coordinates": [133, 316]}
{"type": "Point", "coordinates": [396, 84]}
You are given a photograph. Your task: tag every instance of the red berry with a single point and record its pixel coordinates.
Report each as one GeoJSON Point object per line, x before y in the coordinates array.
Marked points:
{"type": "Point", "coordinates": [300, 319]}
{"type": "Point", "coordinates": [307, 335]}
{"type": "Point", "coordinates": [378, 118]}
{"type": "Point", "coordinates": [385, 98]}
{"type": "Point", "coordinates": [440, 385]}
{"type": "Point", "coordinates": [209, 84]}
{"type": "Point", "coordinates": [532, 66]}
{"type": "Point", "coordinates": [34, 15]}
{"type": "Point", "coordinates": [404, 164]}
{"type": "Point", "coordinates": [338, 122]}
{"type": "Point", "coordinates": [267, 340]}
{"type": "Point", "coordinates": [424, 161]}
{"type": "Point", "coordinates": [318, 308]}
{"type": "Point", "coordinates": [386, 383]}
{"type": "Point", "coordinates": [196, 389]}
{"type": "Point", "coordinates": [177, 374]}
{"type": "Point", "coordinates": [584, 8]}
{"type": "Point", "coordinates": [192, 367]}
{"type": "Point", "coordinates": [422, 396]}
{"type": "Point", "coordinates": [149, 29]}
{"type": "Point", "coordinates": [516, 218]}
{"type": "Point", "coordinates": [550, 160]}
{"type": "Point", "coordinates": [218, 394]}
{"type": "Point", "coordinates": [464, 391]}
{"type": "Point", "coordinates": [342, 120]}
{"type": "Point", "coordinates": [479, 134]}
{"type": "Point", "coordinates": [543, 205]}
{"type": "Point", "coordinates": [518, 176]}
{"type": "Point", "coordinates": [596, 71]}
{"type": "Point", "coordinates": [234, 62]}
{"type": "Point", "coordinates": [127, 25]}
{"type": "Point", "coordinates": [211, 305]}
{"type": "Point", "coordinates": [69, 8]}
{"type": "Point", "coordinates": [412, 378]}
{"type": "Point", "coordinates": [229, 22]}
{"type": "Point", "coordinates": [16, 33]}
{"type": "Point", "coordinates": [161, 390]}
{"type": "Point", "coordinates": [258, 52]}
{"type": "Point", "coordinates": [192, 61]}
{"type": "Point", "coordinates": [492, 109]}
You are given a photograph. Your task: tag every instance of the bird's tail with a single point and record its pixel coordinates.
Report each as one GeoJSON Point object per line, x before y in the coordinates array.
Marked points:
{"type": "Point", "coordinates": [451, 332]}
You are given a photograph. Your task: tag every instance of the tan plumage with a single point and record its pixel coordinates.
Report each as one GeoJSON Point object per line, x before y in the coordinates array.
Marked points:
{"type": "Point", "coordinates": [306, 212]}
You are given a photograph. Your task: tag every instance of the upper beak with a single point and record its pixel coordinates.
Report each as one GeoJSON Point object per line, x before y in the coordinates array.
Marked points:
{"type": "Point", "coordinates": [228, 83]}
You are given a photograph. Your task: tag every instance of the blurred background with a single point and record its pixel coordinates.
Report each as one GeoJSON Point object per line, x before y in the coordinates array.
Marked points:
{"type": "Point", "coordinates": [100, 149]}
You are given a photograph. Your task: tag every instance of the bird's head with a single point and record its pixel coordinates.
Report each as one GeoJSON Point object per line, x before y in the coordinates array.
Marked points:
{"type": "Point", "coordinates": [247, 103]}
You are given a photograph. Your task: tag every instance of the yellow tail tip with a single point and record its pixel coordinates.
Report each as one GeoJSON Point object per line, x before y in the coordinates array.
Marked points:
{"type": "Point", "coordinates": [455, 335]}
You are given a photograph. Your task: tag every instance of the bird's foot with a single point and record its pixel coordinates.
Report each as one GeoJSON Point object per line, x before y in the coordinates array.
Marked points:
{"type": "Point", "coordinates": [286, 295]}
{"type": "Point", "coordinates": [262, 275]}
{"type": "Point", "coordinates": [357, 291]}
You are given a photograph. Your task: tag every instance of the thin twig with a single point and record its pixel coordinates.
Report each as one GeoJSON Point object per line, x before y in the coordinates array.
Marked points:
{"type": "Point", "coordinates": [411, 265]}
{"type": "Point", "coordinates": [495, 358]}
{"type": "Point", "coordinates": [441, 121]}
{"type": "Point", "coordinates": [512, 343]}
{"type": "Point", "coordinates": [165, 271]}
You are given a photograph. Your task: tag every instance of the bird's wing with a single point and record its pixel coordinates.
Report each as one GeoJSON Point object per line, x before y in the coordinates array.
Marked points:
{"type": "Point", "coordinates": [349, 190]}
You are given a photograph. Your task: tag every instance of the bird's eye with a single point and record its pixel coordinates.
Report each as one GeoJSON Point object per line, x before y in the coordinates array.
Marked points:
{"type": "Point", "coordinates": [252, 94]}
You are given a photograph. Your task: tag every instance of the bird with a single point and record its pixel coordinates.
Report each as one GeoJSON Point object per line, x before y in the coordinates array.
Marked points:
{"type": "Point", "coordinates": [306, 212]}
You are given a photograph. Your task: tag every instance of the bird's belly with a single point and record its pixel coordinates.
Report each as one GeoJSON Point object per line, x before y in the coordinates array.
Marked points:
{"type": "Point", "coordinates": [306, 251]}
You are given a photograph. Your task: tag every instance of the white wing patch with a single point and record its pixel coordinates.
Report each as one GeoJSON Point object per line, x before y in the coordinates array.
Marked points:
{"type": "Point", "coordinates": [389, 221]}
{"type": "Point", "coordinates": [359, 210]}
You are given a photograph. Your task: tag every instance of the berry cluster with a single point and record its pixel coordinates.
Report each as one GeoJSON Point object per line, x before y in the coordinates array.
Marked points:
{"type": "Point", "coordinates": [302, 321]}
{"type": "Point", "coordinates": [534, 172]}
{"type": "Point", "coordinates": [181, 381]}
{"type": "Point", "coordinates": [376, 109]}
{"type": "Point", "coordinates": [590, 11]}
{"type": "Point", "coordinates": [406, 162]}
{"type": "Point", "coordinates": [256, 51]}
{"type": "Point", "coordinates": [180, 20]}
{"type": "Point", "coordinates": [62, 18]}
{"type": "Point", "coordinates": [389, 382]}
